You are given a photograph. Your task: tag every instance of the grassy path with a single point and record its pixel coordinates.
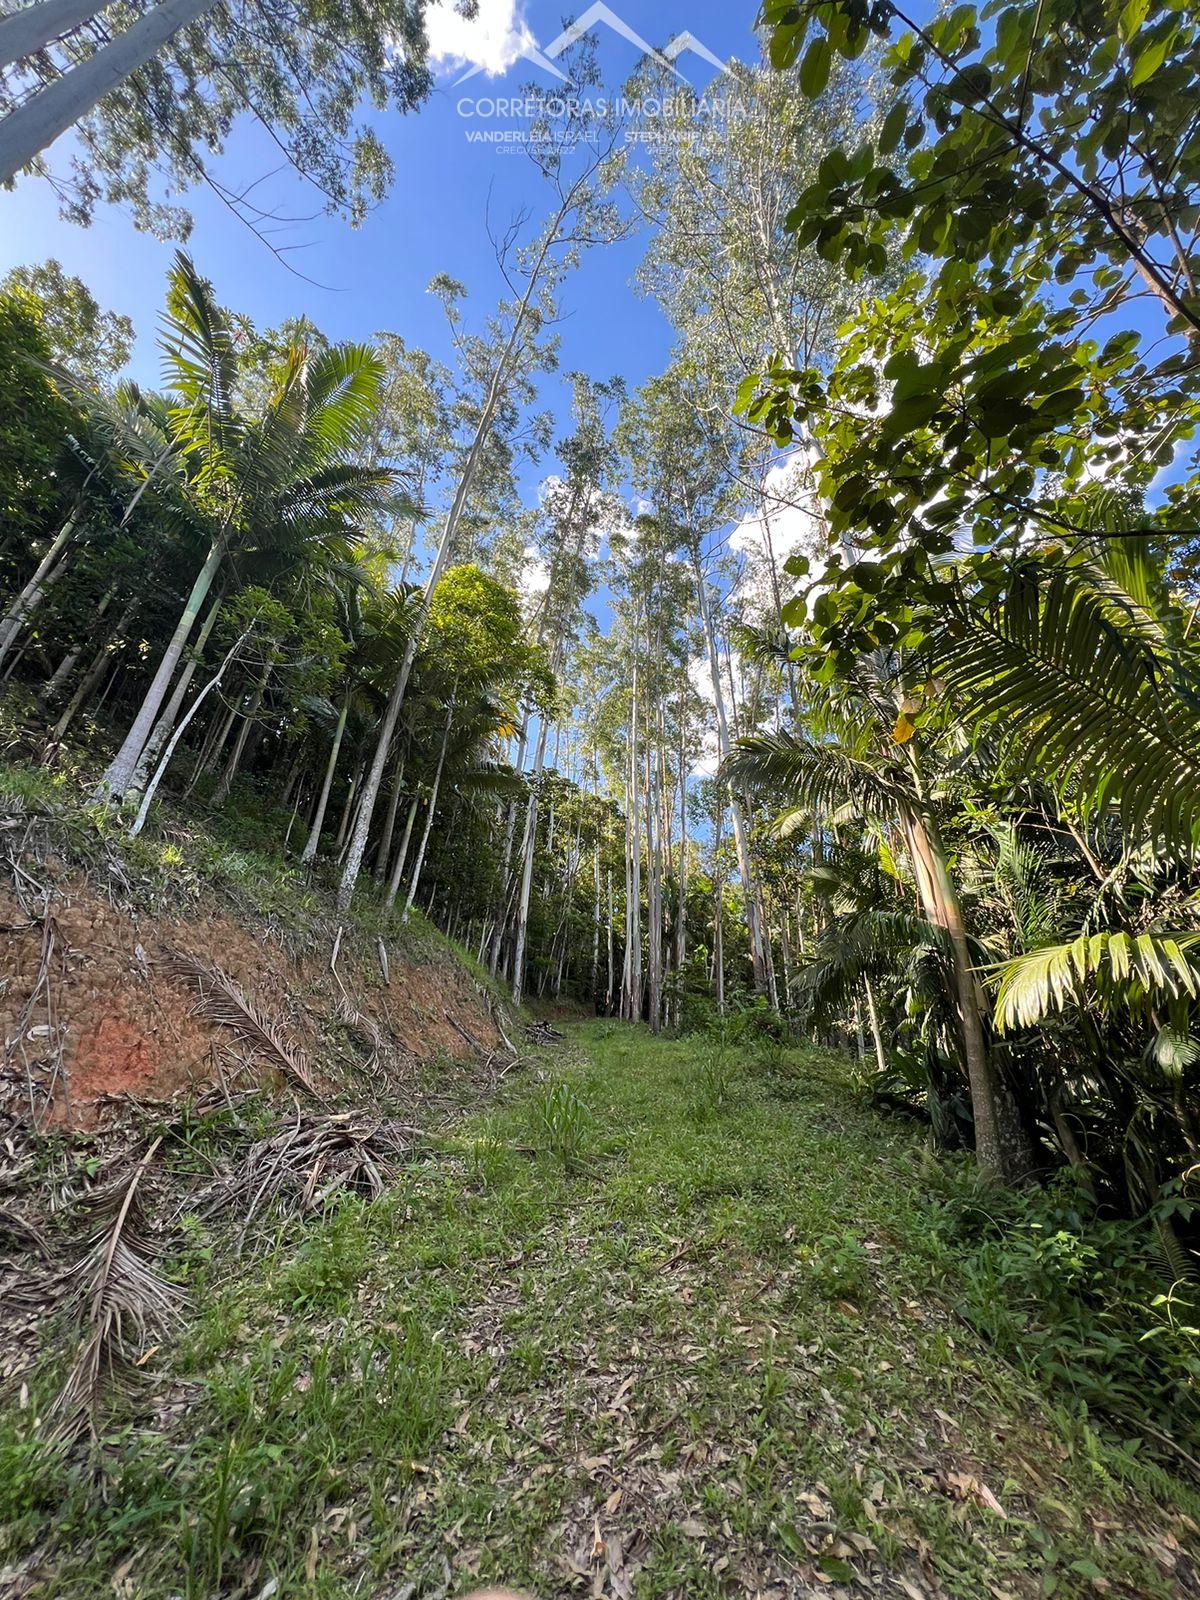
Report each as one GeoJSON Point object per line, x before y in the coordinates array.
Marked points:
{"type": "Point", "coordinates": [710, 1359]}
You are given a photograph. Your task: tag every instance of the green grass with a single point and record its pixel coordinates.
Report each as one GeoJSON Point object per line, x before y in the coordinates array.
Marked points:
{"type": "Point", "coordinates": [681, 1326]}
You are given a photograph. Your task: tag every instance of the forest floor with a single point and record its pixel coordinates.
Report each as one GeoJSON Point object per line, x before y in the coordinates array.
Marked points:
{"type": "Point", "coordinates": [648, 1325]}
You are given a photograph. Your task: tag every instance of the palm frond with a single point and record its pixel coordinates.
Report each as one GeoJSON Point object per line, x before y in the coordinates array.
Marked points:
{"type": "Point", "coordinates": [222, 1001]}
{"type": "Point", "coordinates": [1134, 970]}
{"type": "Point", "coordinates": [199, 356]}
{"type": "Point", "coordinates": [118, 1298]}
{"type": "Point", "coordinates": [808, 774]}
{"type": "Point", "coordinates": [342, 386]}
{"type": "Point", "coordinates": [869, 943]}
{"type": "Point", "coordinates": [1088, 695]}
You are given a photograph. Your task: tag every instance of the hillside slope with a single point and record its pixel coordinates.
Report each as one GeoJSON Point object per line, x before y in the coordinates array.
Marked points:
{"type": "Point", "coordinates": [117, 954]}
{"type": "Point", "coordinates": [652, 1323]}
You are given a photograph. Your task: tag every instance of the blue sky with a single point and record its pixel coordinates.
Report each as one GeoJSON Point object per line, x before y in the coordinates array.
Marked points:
{"type": "Point", "coordinates": [433, 221]}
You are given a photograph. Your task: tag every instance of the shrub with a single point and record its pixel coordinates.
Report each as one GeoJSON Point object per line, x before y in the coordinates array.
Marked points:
{"type": "Point", "coordinates": [1083, 1304]}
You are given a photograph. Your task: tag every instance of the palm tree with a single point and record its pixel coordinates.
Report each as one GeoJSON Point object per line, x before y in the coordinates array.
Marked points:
{"type": "Point", "coordinates": [859, 758]}
{"type": "Point", "coordinates": [281, 482]}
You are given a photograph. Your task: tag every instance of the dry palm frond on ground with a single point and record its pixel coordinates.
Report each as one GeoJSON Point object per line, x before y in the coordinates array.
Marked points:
{"type": "Point", "coordinates": [224, 1002]}
{"type": "Point", "coordinates": [118, 1298]}
{"type": "Point", "coordinates": [300, 1166]}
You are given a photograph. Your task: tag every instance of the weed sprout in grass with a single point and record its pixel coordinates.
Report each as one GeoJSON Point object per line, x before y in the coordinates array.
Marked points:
{"type": "Point", "coordinates": [561, 1124]}
{"type": "Point", "coordinates": [714, 1079]}
{"type": "Point", "coordinates": [488, 1161]}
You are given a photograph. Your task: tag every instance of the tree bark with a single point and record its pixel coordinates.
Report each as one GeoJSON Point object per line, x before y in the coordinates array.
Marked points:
{"type": "Point", "coordinates": [999, 1145]}
{"type": "Point", "coordinates": [91, 677]}
{"type": "Point", "coordinates": [160, 770]}
{"type": "Point", "coordinates": [165, 723]}
{"type": "Point", "coordinates": [425, 832]}
{"type": "Point", "coordinates": [384, 853]}
{"type": "Point", "coordinates": [741, 840]}
{"type": "Point", "coordinates": [401, 855]}
{"type": "Point", "coordinates": [119, 774]}
{"type": "Point", "coordinates": [34, 591]}
{"type": "Point", "coordinates": [358, 842]}
{"type": "Point", "coordinates": [221, 792]}
{"type": "Point", "coordinates": [318, 821]}
{"type": "Point", "coordinates": [31, 29]}
{"type": "Point", "coordinates": [49, 112]}
{"type": "Point", "coordinates": [528, 847]}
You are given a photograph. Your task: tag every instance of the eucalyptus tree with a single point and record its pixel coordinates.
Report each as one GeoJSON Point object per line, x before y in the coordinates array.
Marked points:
{"type": "Point", "coordinates": [155, 88]}
{"type": "Point", "coordinates": [738, 286]}
{"type": "Point", "coordinates": [683, 462]}
{"type": "Point", "coordinates": [575, 159]}
{"type": "Point", "coordinates": [574, 508]}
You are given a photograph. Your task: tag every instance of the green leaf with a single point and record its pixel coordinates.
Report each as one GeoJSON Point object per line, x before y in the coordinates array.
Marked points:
{"type": "Point", "coordinates": [893, 128]}
{"type": "Point", "coordinates": [746, 390]}
{"type": "Point", "coordinates": [1151, 58]}
{"type": "Point", "coordinates": [785, 45]}
{"type": "Point", "coordinates": [1132, 18]}
{"type": "Point", "coordinates": [834, 1567]}
{"type": "Point", "coordinates": [814, 69]}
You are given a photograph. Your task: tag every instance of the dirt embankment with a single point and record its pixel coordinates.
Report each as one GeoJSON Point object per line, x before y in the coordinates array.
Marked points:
{"type": "Point", "coordinates": [94, 1004]}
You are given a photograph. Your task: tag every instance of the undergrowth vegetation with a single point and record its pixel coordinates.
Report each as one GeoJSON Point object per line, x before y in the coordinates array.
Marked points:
{"type": "Point", "coordinates": [900, 1372]}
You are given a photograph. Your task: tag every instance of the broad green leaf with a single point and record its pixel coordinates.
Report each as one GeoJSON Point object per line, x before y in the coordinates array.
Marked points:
{"type": "Point", "coordinates": [1148, 63]}
{"type": "Point", "coordinates": [814, 69]}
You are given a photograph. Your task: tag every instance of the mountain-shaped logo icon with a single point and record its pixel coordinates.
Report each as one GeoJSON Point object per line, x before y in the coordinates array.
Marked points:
{"type": "Point", "coordinates": [597, 13]}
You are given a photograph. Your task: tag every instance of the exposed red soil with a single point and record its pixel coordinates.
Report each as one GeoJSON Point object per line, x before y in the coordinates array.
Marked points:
{"type": "Point", "coordinates": [127, 1024]}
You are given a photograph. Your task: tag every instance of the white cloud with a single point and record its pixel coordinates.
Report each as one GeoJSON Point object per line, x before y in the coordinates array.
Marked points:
{"type": "Point", "coordinates": [535, 575]}
{"type": "Point", "coordinates": [493, 39]}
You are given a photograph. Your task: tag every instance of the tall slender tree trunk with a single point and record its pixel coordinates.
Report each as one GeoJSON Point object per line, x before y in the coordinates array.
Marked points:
{"type": "Point", "coordinates": [425, 832]}
{"type": "Point", "coordinates": [91, 677]}
{"type": "Point", "coordinates": [214, 743]}
{"type": "Point", "coordinates": [318, 822]}
{"type": "Point", "coordinates": [612, 913]}
{"type": "Point", "coordinates": [221, 793]}
{"type": "Point", "coordinates": [166, 722]}
{"type": "Point", "coordinates": [348, 808]}
{"type": "Point", "coordinates": [160, 770]}
{"type": "Point", "coordinates": [1000, 1147]}
{"type": "Point", "coordinates": [873, 1020]}
{"type": "Point", "coordinates": [596, 923]}
{"type": "Point", "coordinates": [384, 853]}
{"type": "Point", "coordinates": [49, 691]}
{"type": "Point", "coordinates": [34, 591]}
{"type": "Point", "coordinates": [741, 839]}
{"type": "Point", "coordinates": [506, 885]}
{"type": "Point", "coordinates": [654, 911]}
{"type": "Point", "coordinates": [633, 847]}
{"type": "Point", "coordinates": [401, 855]}
{"type": "Point", "coordinates": [49, 112]}
{"type": "Point", "coordinates": [528, 849]}
{"type": "Point", "coordinates": [35, 26]}
{"type": "Point", "coordinates": [496, 384]}
{"type": "Point", "coordinates": [719, 912]}
{"type": "Point", "coordinates": [119, 774]}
